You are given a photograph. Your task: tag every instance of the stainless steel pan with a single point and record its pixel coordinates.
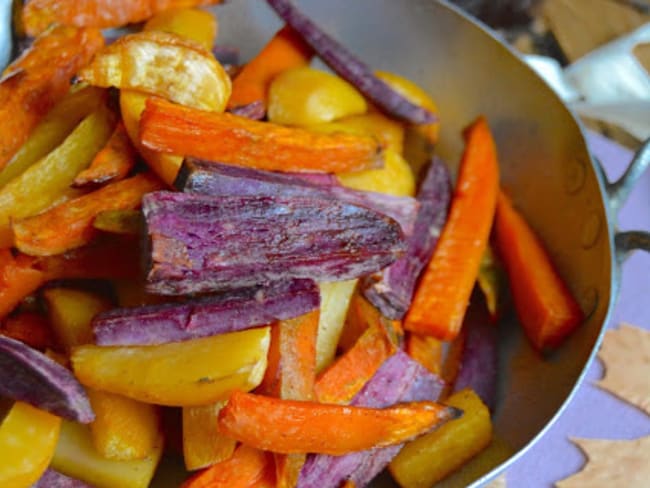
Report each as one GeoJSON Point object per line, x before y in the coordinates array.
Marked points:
{"type": "Point", "coordinates": [545, 164]}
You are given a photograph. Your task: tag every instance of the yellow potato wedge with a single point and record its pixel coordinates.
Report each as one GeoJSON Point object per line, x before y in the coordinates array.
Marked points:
{"type": "Point", "coordinates": [428, 459]}
{"type": "Point", "coordinates": [162, 64]}
{"type": "Point", "coordinates": [395, 178]}
{"type": "Point", "coordinates": [75, 456]}
{"type": "Point", "coordinates": [192, 23]}
{"type": "Point", "coordinates": [28, 437]}
{"type": "Point", "coordinates": [191, 373]}
{"type": "Point", "coordinates": [203, 444]}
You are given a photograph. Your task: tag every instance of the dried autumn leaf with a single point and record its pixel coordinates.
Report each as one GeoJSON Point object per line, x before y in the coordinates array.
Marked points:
{"type": "Point", "coordinates": [626, 355]}
{"type": "Point", "coordinates": [163, 64]}
{"type": "Point", "coordinates": [612, 463]}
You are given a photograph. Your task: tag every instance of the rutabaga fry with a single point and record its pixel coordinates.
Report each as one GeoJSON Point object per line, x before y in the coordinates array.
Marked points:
{"type": "Point", "coordinates": [34, 82]}
{"type": "Point", "coordinates": [298, 427]}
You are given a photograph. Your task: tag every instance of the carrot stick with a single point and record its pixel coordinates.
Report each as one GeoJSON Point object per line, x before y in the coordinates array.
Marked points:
{"type": "Point", "coordinates": [297, 427]}
{"type": "Point", "coordinates": [545, 306]}
{"type": "Point", "coordinates": [38, 15]}
{"type": "Point", "coordinates": [228, 138]}
{"type": "Point", "coordinates": [247, 467]}
{"type": "Point", "coordinates": [446, 284]}
{"type": "Point", "coordinates": [426, 350]}
{"type": "Point", "coordinates": [31, 328]}
{"type": "Point", "coordinates": [350, 372]}
{"type": "Point", "coordinates": [290, 375]}
{"type": "Point", "coordinates": [284, 51]}
{"type": "Point", "coordinates": [33, 83]}
{"type": "Point", "coordinates": [18, 278]}
{"type": "Point", "coordinates": [112, 163]}
{"type": "Point", "coordinates": [70, 224]}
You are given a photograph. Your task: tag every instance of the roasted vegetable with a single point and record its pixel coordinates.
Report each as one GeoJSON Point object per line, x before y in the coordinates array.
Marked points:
{"type": "Point", "coordinates": [424, 461]}
{"type": "Point", "coordinates": [203, 444]}
{"type": "Point", "coordinates": [54, 479]}
{"type": "Point", "coordinates": [326, 428]}
{"type": "Point", "coordinates": [201, 243]}
{"type": "Point", "coordinates": [28, 437]}
{"type": "Point", "coordinates": [206, 316]}
{"type": "Point", "coordinates": [39, 78]}
{"type": "Point", "coordinates": [240, 141]}
{"type": "Point", "coordinates": [32, 328]}
{"type": "Point", "coordinates": [392, 290]}
{"type": "Point", "coordinates": [188, 373]}
{"type": "Point", "coordinates": [29, 376]}
{"type": "Point", "coordinates": [350, 67]}
{"type": "Point", "coordinates": [395, 178]}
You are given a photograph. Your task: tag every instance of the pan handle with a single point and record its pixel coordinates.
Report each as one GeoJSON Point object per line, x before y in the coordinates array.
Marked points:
{"type": "Point", "coordinates": [618, 191]}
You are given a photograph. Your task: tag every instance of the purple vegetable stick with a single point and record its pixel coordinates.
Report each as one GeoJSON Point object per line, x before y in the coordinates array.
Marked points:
{"type": "Point", "coordinates": [391, 290]}
{"type": "Point", "coordinates": [254, 110]}
{"type": "Point", "coordinates": [200, 317]}
{"type": "Point", "coordinates": [202, 244]}
{"type": "Point", "coordinates": [218, 179]}
{"type": "Point", "coordinates": [399, 379]}
{"type": "Point", "coordinates": [29, 376]}
{"type": "Point", "coordinates": [351, 68]}
{"type": "Point", "coordinates": [478, 365]}
{"type": "Point", "coordinates": [54, 479]}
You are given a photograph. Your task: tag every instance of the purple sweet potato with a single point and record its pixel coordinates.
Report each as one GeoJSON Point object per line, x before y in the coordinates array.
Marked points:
{"type": "Point", "coordinates": [29, 376]}
{"type": "Point", "coordinates": [400, 379]}
{"type": "Point", "coordinates": [391, 290]}
{"type": "Point", "coordinates": [208, 315]}
{"type": "Point", "coordinates": [54, 479]}
{"type": "Point", "coordinates": [351, 68]}
{"type": "Point", "coordinates": [254, 110]}
{"type": "Point", "coordinates": [478, 363]}
{"type": "Point", "coordinates": [203, 243]}
{"type": "Point", "coordinates": [217, 179]}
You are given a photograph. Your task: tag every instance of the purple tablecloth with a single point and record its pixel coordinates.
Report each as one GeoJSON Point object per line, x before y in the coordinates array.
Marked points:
{"type": "Point", "coordinates": [594, 413]}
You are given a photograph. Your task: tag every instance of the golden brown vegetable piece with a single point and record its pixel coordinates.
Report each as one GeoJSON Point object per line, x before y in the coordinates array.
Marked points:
{"type": "Point", "coordinates": [424, 461]}
{"type": "Point", "coordinates": [70, 224]}
{"type": "Point", "coordinates": [45, 182]}
{"type": "Point", "coordinates": [322, 428]}
{"type": "Point", "coordinates": [203, 444]}
{"type": "Point", "coordinates": [112, 163]}
{"type": "Point", "coordinates": [189, 373]}
{"type": "Point", "coordinates": [163, 64]}
{"type": "Point", "coordinates": [34, 82]}
{"type": "Point", "coordinates": [37, 15]}
{"type": "Point", "coordinates": [228, 138]}
{"type": "Point", "coordinates": [126, 222]}
{"type": "Point", "coordinates": [191, 23]}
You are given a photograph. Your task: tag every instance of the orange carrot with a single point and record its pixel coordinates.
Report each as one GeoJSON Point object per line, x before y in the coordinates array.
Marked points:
{"type": "Point", "coordinates": [426, 350]}
{"type": "Point", "coordinates": [544, 304]}
{"type": "Point", "coordinates": [290, 374]}
{"type": "Point", "coordinates": [445, 286]}
{"type": "Point", "coordinates": [112, 163]}
{"type": "Point", "coordinates": [291, 370]}
{"type": "Point", "coordinates": [33, 83]}
{"type": "Point", "coordinates": [349, 484]}
{"type": "Point", "coordinates": [350, 372]}
{"type": "Point", "coordinates": [38, 15]}
{"type": "Point", "coordinates": [246, 468]}
{"type": "Point", "coordinates": [31, 328]}
{"type": "Point", "coordinates": [70, 224]}
{"type": "Point", "coordinates": [228, 138]}
{"type": "Point", "coordinates": [298, 427]}
{"type": "Point", "coordinates": [362, 315]}
{"type": "Point", "coordinates": [284, 51]}
{"type": "Point", "coordinates": [18, 278]}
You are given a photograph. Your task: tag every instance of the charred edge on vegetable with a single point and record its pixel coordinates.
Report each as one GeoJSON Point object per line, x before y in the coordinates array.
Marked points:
{"type": "Point", "coordinates": [206, 244]}
{"type": "Point", "coordinates": [391, 291]}
{"type": "Point", "coordinates": [350, 67]}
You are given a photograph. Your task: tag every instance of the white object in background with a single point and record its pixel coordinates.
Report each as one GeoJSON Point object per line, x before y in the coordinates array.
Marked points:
{"type": "Point", "coordinates": [608, 84]}
{"type": "Point", "coordinates": [5, 32]}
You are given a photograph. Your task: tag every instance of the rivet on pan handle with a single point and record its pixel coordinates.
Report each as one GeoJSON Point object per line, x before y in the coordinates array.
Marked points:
{"type": "Point", "coordinates": [618, 192]}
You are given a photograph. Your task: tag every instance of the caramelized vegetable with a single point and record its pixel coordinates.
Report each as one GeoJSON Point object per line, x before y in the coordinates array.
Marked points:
{"type": "Point", "coordinates": [18, 278]}
{"type": "Point", "coordinates": [191, 23]}
{"type": "Point", "coordinates": [30, 328]}
{"type": "Point", "coordinates": [322, 428]}
{"type": "Point", "coordinates": [188, 373]}
{"type": "Point", "coordinates": [395, 178]}
{"type": "Point", "coordinates": [284, 51]}
{"type": "Point", "coordinates": [203, 444]}
{"type": "Point", "coordinates": [443, 293]}
{"type": "Point", "coordinates": [544, 304]}
{"type": "Point", "coordinates": [169, 66]}
{"type": "Point", "coordinates": [28, 437]}
{"type": "Point", "coordinates": [34, 82]}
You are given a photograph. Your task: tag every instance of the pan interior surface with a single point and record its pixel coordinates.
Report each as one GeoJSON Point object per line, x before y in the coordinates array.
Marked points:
{"type": "Point", "coordinates": [545, 167]}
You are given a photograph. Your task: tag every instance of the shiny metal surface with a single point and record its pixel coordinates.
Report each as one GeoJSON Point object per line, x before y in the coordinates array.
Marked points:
{"type": "Point", "coordinates": [545, 165]}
